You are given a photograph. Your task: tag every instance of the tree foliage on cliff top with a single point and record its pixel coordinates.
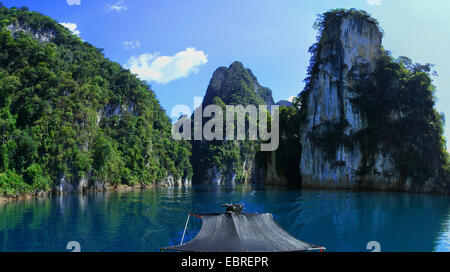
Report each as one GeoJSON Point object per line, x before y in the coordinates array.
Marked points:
{"type": "Point", "coordinates": [67, 111]}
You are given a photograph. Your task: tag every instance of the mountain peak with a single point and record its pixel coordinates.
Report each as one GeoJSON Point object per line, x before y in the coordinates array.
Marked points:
{"type": "Point", "coordinates": [236, 65]}
{"type": "Point", "coordinates": [237, 85]}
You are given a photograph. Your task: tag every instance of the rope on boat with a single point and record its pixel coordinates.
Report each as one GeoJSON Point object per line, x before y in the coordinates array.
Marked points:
{"type": "Point", "coordinates": [185, 228]}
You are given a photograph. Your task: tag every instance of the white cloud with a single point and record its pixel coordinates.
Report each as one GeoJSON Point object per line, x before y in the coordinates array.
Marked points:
{"type": "Point", "coordinates": [131, 44]}
{"type": "Point", "coordinates": [373, 2]}
{"type": "Point", "coordinates": [72, 27]}
{"type": "Point", "coordinates": [162, 69]}
{"type": "Point", "coordinates": [73, 2]}
{"type": "Point", "coordinates": [291, 99]}
{"type": "Point", "coordinates": [118, 6]}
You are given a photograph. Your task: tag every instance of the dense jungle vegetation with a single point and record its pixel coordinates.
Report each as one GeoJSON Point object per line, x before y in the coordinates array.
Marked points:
{"type": "Point", "coordinates": [68, 113]}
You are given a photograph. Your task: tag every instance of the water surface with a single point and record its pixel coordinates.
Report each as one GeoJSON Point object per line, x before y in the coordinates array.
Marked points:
{"type": "Point", "coordinates": [150, 219]}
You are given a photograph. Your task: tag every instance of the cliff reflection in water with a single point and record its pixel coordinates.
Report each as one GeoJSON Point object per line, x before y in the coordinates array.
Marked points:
{"type": "Point", "coordinates": [148, 220]}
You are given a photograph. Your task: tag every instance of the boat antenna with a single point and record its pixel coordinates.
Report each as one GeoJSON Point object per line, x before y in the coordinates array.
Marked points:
{"type": "Point", "coordinates": [185, 228]}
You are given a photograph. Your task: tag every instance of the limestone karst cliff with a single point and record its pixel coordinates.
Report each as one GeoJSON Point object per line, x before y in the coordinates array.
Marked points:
{"type": "Point", "coordinates": [232, 161]}
{"type": "Point", "coordinates": [226, 162]}
{"type": "Point", "coordinates": [364, 120]}
{"type": "Point", "coordinates": [346, 144]}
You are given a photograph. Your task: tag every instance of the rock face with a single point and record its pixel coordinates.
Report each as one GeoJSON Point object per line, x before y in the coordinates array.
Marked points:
{"type": "Point", "coordinates": [272, 173]}
{"type": "Point", "coordinates": [229, 162]}
{"type": "Point", "coordinates": [341, 144]}
{"type": "Point", "coordinates": [354, 51]}
{"type": "Point", "coordinates": [171, 182]}
{"type": "Point", "coordinates": [42, 37]}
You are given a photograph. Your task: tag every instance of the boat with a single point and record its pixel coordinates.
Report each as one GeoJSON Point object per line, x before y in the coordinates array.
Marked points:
{"type": "Point", "coordinates": [236, 231]}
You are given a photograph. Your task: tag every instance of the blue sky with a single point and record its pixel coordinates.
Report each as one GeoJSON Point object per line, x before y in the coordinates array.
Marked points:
{"type": "Point", "coordinates": [177, 44]}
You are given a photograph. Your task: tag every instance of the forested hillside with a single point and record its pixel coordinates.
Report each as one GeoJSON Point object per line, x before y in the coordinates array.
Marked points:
{"type": "Point", "coordinates": [70, 119]}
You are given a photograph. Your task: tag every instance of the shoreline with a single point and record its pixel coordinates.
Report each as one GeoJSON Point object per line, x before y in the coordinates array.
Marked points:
{"type": "Point", "coordinates": [127, 188]}
{"type": "Point", "coordinates": [118, 188]}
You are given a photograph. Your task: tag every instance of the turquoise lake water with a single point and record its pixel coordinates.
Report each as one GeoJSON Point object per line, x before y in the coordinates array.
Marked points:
{"type": "Point", "coordinates": [150, 219]}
